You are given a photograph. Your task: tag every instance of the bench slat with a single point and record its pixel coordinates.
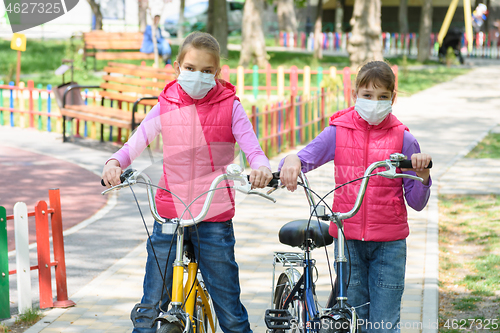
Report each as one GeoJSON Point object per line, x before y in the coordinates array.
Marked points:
{"type": "Point", "coordinates": [123, 55]}
{"type": "Point", "coordinates": [138, 73]}
{"type": "Point", "coordinates": [99, 34]}
{"type": "Point", "coordinates": [137, 82]}
{"type": "Point", "coordinates": [127, 98]}
{"type": "Point", "coordinates": [128, 88]}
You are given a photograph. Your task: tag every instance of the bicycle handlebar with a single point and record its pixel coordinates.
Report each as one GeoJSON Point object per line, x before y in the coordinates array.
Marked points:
{"type": "Point", "coordinates": [233, 172]}
{"type": "Point", "coordinates": [396, 160]}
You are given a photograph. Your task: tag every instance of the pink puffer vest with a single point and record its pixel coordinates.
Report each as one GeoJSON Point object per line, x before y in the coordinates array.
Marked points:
{"type": "Point", "coordinates": [198, 144]}
{"type": "Point", "coordinates": [382, 216]}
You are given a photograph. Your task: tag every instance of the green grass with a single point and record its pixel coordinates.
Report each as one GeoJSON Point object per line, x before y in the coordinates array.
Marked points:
{"type": "Point", "coordinates": [489, 147]}
{"type": "Point", "coordinates": [466, 303]}
{"type": "Point", "coordinates": [469, 242]}
{"type": "Point", "coordinates": [29, 317]}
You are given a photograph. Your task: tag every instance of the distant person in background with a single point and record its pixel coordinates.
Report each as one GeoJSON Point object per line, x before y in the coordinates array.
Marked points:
{"type": "Point", "coordinates": [452, 39]}
{"type": "Point", "coordinates": [162, 44]}
{"type": "Point", "coordinates": [479, 16]}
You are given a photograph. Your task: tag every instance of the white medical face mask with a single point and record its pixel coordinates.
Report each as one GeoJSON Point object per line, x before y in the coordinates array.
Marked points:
{"type": "Point", "coordinates": [374, 112]}
{"type": "Point", "coordinates": [196, 84]}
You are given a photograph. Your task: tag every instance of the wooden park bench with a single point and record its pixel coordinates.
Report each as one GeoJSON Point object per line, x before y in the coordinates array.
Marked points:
{"type": "Point", "coordinates": [102, 45]}
{"type": "Point", "coordinates": [123, 89]}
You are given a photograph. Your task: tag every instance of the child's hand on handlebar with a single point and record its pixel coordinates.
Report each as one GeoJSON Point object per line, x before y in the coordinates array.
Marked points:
{"type": "Point", "coordinates": [261, 177]}
{"type": "Point", "coordinates": [419, 163]}
{"type": "Point", "coordinates": [111, 173]}
{"type": "Point", "coordinates": [290, 171]}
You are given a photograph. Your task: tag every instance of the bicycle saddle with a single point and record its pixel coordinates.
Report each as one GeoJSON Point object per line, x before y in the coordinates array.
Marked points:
{"type": "Point", "coordinates": [294, 233]}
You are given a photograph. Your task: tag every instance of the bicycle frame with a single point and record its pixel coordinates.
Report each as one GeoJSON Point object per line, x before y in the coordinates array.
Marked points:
{"type": "Point", "coordinates": [187, 294]}
{"type": "Point", "coordinates": [337, 302]}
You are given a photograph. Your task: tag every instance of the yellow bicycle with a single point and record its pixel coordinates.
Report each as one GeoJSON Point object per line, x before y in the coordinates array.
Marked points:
{"type": "Point", "coordinates": [191, 309]}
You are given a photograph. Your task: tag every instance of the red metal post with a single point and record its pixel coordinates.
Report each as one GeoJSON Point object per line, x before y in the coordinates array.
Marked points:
{"type": "Point", "coordinates": [43, 253]}
{"type": "Point", "coordinates": [58, 245]}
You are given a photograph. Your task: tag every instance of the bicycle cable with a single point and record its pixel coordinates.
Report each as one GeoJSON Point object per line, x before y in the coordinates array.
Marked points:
{"type": "Point", "coordinates": [163, 276]}
{"type": "Point", "coordinates": [319, 224]}
{"type": "Point", "coordinates": [196, 230]}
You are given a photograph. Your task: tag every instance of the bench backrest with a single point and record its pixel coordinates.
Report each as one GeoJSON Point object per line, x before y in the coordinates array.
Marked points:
{"type": "Point", "coordinates": [134, 81]}
{"type": "Point", "coordinates": [102, 40]}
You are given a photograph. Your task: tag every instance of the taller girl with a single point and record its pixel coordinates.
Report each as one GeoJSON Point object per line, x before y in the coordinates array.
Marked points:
{"type": "Point", "coordinates": [376, 235]}
{"type": "Point", "coordinates": [200, 119]}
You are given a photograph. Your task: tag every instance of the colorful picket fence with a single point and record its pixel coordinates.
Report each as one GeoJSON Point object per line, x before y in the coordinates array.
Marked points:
{"type": "Point", "coordinates": [485, 45]}
{"type": "Point", "coordinates": [44, 215]}
{"type": "Point", "coordinates": [33, 106]}
{"type": "Point", "coordinates": [294, 104]}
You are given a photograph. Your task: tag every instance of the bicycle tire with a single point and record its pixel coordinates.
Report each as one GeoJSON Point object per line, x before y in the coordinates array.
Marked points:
{"type": "Point", "coordinates": [283, 289]}
{"type": "Point", "coordinates": [169, 328]}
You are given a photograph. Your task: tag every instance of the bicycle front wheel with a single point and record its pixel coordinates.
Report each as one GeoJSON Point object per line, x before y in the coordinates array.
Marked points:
{"type": "Point", "coordinates": [169, 328]}
{"type": "Point", "coordinates": [284, 287]}
{"type": "Point", "coordinates": [204, 314]}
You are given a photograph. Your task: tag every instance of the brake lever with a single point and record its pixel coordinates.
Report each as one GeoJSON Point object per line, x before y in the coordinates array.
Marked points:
{"type": "Point", "coordinates": [392, 174]}
{"type": "Point", "coordinates": [264, 195]}
{"type": "Point", "coordinates": [126, 183]}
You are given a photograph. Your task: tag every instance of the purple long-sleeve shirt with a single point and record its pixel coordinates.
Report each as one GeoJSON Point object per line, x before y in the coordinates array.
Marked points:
{"type": "Point", "coordinates": [151, 127]}
{"type": "Point", "coordinates": [322, 150]}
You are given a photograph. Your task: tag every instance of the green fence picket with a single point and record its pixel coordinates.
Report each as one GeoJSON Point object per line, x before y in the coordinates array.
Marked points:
{"type": "Point", "coordinates": [4, 266]}
{"type": "Point", "coordinates": [255, 81]}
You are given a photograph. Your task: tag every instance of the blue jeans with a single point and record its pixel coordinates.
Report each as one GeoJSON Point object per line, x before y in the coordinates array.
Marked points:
{"type": "Point", "coordinates": [377, 277]}
{"type": "Point", "coordinates": [217, 265]}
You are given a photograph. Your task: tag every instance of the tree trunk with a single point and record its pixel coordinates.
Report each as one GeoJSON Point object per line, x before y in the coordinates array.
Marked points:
{"type": "Point", "coordinates": [403, 16]}
{"type": "Point", "coordinates": [217, 24]}
{"type": "Point", "coordinates": [180, 22]}
{"type": "Point", "coordinates": [96, 10]}
{"type": "Point", "coordinates": [143, 14]}
{"type": "Point", "coordinates": [318, 36]}
{"type": "Point", "coordinates": [287, 20]}
{"type": "Point", "coordinates": [365, 44]}
{"type": "Point", "coordinates": [253, 43]}
{"type": "Point", "coordinates": [339, 15]}
{"type": "Point", "coordinates": [424, 39]}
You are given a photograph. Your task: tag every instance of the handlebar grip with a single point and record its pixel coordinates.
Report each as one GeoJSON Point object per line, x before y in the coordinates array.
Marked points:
{"type": "Point", "coordinates": [407, 164]}
{"type": "Point", "coordinates": [127, 173]}
{"type": "Point", "coordinates": [274, 182]}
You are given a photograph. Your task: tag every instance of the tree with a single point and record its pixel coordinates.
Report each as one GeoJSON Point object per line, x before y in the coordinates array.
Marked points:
{"type": "Point", "coordinates": [339, 15]}
{"type": "Point", "coordinates": [318, 36]}
{"type": "Point", "coordinates": [365, 44]}
{"type": "Point", "coordinates": [403, 17]}
{"type": "Point", "coordinates": [180, 22]}
{"type": "Point", "coordinates": [424, 39]}
{"type": "Point", "coordinates": [96, 10]}
{"type": "Point", "coordinates": [143, 14]}
{"type": "Point", "coordinates": [217, 24]}
{"type": "Point", "coordinates": [287, 20]}
{"type": "Point", "coordinates": [253, 44]}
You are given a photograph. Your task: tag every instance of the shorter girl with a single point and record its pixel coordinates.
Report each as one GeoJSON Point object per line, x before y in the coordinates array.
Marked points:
{"type": "Point", "coordinates": [200, 119]}
{"type": "Point", "coordinates": [376, 235]}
